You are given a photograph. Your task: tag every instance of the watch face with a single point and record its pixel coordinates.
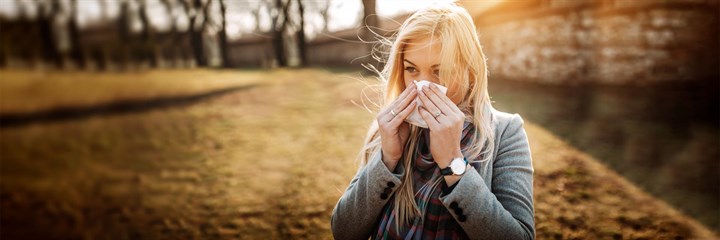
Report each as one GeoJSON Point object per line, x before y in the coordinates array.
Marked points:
{"type": "Point", "coordinates": [457, 166]}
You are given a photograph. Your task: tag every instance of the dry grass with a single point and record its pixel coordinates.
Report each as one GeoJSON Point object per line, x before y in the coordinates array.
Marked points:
{"type": "Point", "coordinates": [577, 197]}
{"type": "Point", "coordinates": [264, 163]}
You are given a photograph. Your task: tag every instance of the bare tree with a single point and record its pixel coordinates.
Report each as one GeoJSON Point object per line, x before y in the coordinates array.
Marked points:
{"type": "Point", "coordinates": [47, 13]}
{"type": "Point", "coordinates": [197, 27]}
{"type": "Point", "coordinates": [302, 46]}
{"type": "Point", "coordinates": [279, 17]}
{"type": "Point", "coordinates": [173, 32]}
{"type": "Point", "coordinates": [369, 23]}
{"type": "Point", "coordinates": [74, 33]}
{"type": "Point", "coordinates": [370, 19]}
{"type": "Point", "coordinates": [222, 35]}
{"type": "Point", "coordinates": [146, 37]}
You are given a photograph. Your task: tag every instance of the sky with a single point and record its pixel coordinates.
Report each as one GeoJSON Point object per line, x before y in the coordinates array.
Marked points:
{"type": "Point", "coordinates": [344, 14]}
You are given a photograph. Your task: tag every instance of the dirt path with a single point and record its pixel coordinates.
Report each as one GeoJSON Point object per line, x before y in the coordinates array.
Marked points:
{"type": "Point", "coordinates": [111, 108]}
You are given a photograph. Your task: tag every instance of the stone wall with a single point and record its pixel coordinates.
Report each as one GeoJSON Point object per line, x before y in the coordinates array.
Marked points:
{"type": "Point", "coordinates": [333, 50]}
{"type": "Point", "coordinates": [610, 42]}
{"type": "Point", "coordinates": [339, 49]}
{"type": "Point", "coordinates": [345, 48]}
{"type": "Point", "coordinates": [251, 52]}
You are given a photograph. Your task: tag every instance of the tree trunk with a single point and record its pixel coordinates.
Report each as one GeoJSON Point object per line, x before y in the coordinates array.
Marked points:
{"type": "Point", "coordinates": [222, 35]}
{"type": "Point", "coordinates": [302, 46]}
{"type": "Point", "coordinates": [146, 46]}
{"type": "Point", "coordinates": [174, 39]}
{"type": "Point", "coordinates": [196, 35]}
{"type": "Point", "coordinates": [74, 32]}
{"type": "Point", "coordinates": [120, 55]}
{"type": "Point", "coordinates": [370, 19]}
{"type": "Point", "coordinates": [370, 22]}
{"type": "Point", "coordinates": [278, 30]}
{"type": "Point", "coordinates": [50, 51]}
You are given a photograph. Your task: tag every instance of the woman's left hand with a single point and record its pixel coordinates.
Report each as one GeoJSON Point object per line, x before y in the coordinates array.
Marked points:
{"type": "Point", "coordinates": [445, 129]}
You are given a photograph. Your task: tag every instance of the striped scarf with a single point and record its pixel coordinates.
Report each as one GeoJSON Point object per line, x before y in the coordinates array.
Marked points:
{"type": "Point", "coordinates": [437, 222]}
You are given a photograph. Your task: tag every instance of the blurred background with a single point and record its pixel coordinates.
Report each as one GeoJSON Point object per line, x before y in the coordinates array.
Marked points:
{"type": "Point", "coordinates": [241, 119]}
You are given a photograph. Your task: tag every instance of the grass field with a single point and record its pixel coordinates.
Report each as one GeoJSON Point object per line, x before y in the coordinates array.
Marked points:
{"type": "Point", "coordinates": [267, 162]}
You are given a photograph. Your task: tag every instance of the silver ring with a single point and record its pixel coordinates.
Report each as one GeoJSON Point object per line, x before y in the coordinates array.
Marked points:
{"type": "Point", "coordinates": [438, 114]}
{"type": "Point", "coordinates": [392, 111]}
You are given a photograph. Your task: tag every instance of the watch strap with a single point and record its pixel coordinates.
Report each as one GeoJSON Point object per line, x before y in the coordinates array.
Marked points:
{"type": "Point", "coordinates": [447, 170]}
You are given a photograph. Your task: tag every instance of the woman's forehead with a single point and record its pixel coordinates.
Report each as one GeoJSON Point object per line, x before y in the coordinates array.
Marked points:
{"type": "Point", "coordinates": [422, 52]}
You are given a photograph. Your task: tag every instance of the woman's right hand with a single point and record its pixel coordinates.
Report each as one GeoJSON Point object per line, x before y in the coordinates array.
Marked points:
{"type": "Point", "coordinates": [394, 131]}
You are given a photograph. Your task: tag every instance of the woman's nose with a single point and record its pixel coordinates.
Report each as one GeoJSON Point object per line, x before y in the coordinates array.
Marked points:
{"type": "Point", "coordinates": [424, 75]}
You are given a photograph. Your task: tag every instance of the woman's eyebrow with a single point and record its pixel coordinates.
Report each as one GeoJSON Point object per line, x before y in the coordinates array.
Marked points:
{"type": "Point", "coordinates": [408, 61]}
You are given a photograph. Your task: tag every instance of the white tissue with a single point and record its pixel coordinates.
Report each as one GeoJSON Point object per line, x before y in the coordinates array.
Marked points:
{"type": "Point", "coordinates": [414, 118]}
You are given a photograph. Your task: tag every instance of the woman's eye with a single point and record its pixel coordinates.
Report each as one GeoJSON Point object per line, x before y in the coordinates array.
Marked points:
{"type": "Point", "coordinates": [410, 69]}
{"type": "Point", "coordinates": [436, 73]}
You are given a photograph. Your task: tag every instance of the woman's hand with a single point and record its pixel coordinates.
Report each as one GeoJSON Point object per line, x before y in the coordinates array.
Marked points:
{"type": "Point", "coordinates": [445, 121]}
{"type": "Point", "coordinates": [394, 131]}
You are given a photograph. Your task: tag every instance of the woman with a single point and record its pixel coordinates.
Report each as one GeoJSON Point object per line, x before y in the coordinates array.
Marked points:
{"type": "Point", "coordinates": [468, 175]}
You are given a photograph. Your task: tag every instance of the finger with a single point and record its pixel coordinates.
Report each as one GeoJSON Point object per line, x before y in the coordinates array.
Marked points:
{"type": "Point", "coordinates": [435, 90]}
{"type": "Point", "coordinates": [429, 119]}
{"type": "Point", "coordinates": [447, 106]}
{"type": "Point", "coordinates": [403, 114]}
{"type": "Point", "coordinates": [408, 90]}
{"type": "Point", "coordinates": [428, 103]}
{"type": "Point", "coordinates": [403, 104]}
{"type": "Point", "coordinates": [398, 105]}
{"type": "Point", "coordinates": [438, 100]}
{"type": "Point", "coordinates": [408, 93]}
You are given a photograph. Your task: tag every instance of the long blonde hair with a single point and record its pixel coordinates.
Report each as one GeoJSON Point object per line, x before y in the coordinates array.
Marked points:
{"type": "Point", "coordinates": [463, 70]}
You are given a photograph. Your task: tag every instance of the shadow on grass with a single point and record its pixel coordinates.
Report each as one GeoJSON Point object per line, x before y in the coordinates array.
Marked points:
{"type": "Point", "coordinates": [65, 113]}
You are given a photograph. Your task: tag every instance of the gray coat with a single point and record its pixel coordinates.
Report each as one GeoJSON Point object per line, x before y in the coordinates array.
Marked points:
{"type": "Point", "coordinates": [497, 199]}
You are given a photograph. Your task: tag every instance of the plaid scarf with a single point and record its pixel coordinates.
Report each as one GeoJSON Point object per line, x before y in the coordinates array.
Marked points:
{"type": "Point", "coordinates": [428, 184]}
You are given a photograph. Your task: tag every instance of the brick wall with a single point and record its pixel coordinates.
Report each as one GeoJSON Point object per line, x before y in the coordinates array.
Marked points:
{"type": "Point", "coordinates": [610, 42]}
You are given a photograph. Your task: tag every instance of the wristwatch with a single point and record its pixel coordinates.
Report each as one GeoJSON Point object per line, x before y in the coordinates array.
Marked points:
{"type": "Point", "coordinates": [456, 167]}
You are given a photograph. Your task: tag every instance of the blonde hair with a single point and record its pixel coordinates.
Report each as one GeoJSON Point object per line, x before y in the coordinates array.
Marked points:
{"type": "Point", "coordinates": [463, 71]}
